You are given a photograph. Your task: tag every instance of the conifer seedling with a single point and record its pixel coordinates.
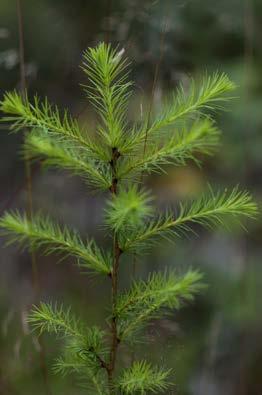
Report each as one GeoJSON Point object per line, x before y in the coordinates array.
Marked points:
{"type": "Point", "coordinates": [112, 161]}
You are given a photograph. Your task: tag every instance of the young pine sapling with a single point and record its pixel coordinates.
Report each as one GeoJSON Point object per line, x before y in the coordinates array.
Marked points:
{"type": "Point", "coordinates": [113, 161]}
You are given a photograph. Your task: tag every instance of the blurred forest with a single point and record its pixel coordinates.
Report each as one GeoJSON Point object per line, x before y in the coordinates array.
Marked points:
{"type": "Point", "coordinates": [214, 345]}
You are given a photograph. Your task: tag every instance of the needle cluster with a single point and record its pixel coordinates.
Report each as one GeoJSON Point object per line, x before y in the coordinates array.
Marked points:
{"type": "Point", "coordinates": [112, 161]}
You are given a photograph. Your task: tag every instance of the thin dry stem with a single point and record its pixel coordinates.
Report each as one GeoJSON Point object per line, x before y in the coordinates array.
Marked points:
{"type": "Point", "coordinates": [114, 280]}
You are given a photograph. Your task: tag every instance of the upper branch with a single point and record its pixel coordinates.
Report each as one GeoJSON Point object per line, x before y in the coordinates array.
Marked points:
{"type": "Point", "coordinates": [208, 95]}
{"type": "Point", "coordinates": [109, 90]}
{"type": "Point", "coordinates": [65, 156]}
{"type": "Point", "coordinates": [201, 138]}
{"type": "Point", "coordinates": [42, 115]}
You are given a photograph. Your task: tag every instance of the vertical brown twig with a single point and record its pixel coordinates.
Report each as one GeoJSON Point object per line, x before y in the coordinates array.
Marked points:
{"type": "Point", "coordinates": [248, 61]}
{"type": "Point", "coordinates": [21, 46]}
{"type": "Point", "coordinates": [151, 100]}
{"type": "Point", "coordinates": [35, 280]}
{"type": "Point", "coordinates": [248, 30]}
{"type": "Point", "coordinates": [116, 249]}
{"type": "Point", "coordinates": [35, 276]}
{"type": "Point", "coordinates": [155, 79]}
{"type": "Point", "coordinates": [114, 280]}
{"type": "Point", "coordinates": [108, 21]}
{"type": "Point", "coordinates": [248, 33]}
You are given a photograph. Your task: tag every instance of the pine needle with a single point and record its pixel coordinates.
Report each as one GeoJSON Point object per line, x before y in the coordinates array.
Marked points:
{"type": "Point", "coordinates": [51, 238]}
{"type": "Point", "coordinates": [209, 210]}
{"type": "Point", "coordinates": [142, 378]}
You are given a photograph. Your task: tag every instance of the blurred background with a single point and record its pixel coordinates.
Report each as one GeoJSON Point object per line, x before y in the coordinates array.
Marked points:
{"type": "Point", "coordinates": [215, 344]}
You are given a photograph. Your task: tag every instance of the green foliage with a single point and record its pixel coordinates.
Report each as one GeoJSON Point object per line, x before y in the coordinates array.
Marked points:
{"type": "Point", "coordinates": [83, 365]}
{"type": "Point", "coordinates": [61, 321]}
{"type": "Point", "coordinates": [208, 95]}
{"type": "Point", "coordinates": [201, 138]}
{"type": "Point", "coordinates": [113, 160]}
{"type": "Point", "coordinates": [128, 209]}
{"type": "Point", "coordinates": [55, 319]}
{"type": "Point", "coordinates": [43, 233]}
{"type": "Point", "coordinates": [23, 114]}
{"type": "Point", "coordinates": [108, 90]}
{"type": "Point", "coordinates": [184, 106]}
{"type": "Point", "coordinates": [142, 378]}
{"type": "Point", "coordinates": [145, 299]}
{"type": "Point", "coordinates": [65, 156]}
{"type": "Point", "coordinates": [84, 346]}
{"type": "Point", "coordinates": [209, 210]}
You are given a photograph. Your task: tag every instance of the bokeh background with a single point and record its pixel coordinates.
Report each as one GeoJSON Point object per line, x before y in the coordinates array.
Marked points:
{"type": "Point", "coordinates": [214, 345]}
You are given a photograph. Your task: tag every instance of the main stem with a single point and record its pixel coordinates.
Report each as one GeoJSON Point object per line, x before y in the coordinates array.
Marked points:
{"type": "Point", "coordinates": [114, 279]}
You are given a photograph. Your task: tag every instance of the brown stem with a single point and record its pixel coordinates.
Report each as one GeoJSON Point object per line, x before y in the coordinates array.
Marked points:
{"type": "Point", "coordinates": [108, 22]}
{"type": "Point", "coordinates": [28, 172]}
{"type": "Point", "coordinates": [155, 80]}
{"type": "Point", "coordinates": [100, 360]}
{"type": "Point", "coordinates": [114, 279]}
